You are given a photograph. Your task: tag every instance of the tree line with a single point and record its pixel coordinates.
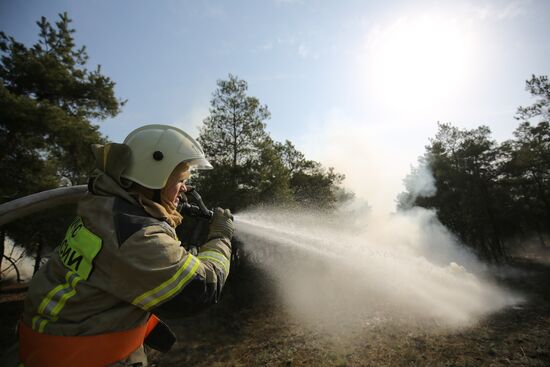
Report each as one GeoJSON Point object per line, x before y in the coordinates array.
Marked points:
{"type": "Point", "coordinates": [50, 103]}
{"type": "Point", "coordinates": [250, 168]}
{"type": "Point", "coordinates": [493, 196]}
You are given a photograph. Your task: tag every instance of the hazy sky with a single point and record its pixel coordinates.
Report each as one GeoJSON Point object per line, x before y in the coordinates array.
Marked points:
{"type": "Point", "coordinates": [359, 85]}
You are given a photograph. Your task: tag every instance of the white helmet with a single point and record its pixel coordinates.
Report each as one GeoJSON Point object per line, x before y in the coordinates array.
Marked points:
{"type": "Point", "coordinates": [157, 150]}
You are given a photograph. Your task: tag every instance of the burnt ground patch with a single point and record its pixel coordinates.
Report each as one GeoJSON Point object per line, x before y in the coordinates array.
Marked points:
{"type": "Point", "coordinates": [251, 328]}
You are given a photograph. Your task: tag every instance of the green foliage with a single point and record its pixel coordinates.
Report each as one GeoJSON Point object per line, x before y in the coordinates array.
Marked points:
{"type": "Point", "coordinates": [466, 199]}
{"type": "Point", "coordinates": [271, 178]}
{"type": "Point", "coordinates": [249, 167]}
{"type": "Point", "coordinates": [52, 71]}
{"type": "Point", "coordinates": [540, 87]}
{"type": "Point", "coordinates": [235, 127]}
{"type": "Point", "coordinates": [47, 101]}
{"type": "Point", "coordinates": [488, 192]}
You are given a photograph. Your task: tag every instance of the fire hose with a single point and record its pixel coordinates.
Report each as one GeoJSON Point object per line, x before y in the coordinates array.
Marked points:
{"type": "Point", "coordinates": [30, 204]}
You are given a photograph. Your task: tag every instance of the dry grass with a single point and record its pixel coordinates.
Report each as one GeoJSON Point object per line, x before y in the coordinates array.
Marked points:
{"type": "Point", "coordinates": [261, 333]}
{"type": "Point", "coordinates": [250, 328]}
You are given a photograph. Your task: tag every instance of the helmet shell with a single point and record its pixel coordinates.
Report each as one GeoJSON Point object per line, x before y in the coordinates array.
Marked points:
{"type": "Point", "coordinates": [157, 150]}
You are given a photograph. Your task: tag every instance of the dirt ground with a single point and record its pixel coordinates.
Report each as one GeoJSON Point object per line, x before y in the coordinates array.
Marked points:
{"type": "Point", "coordinates": [249, 328]}
{"type": "Point", "coordinates": [262, 334]}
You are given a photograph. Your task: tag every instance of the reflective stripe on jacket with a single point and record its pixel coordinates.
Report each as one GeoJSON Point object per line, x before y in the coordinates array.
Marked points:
{"type": "Point", "coordinates": [115, 265]}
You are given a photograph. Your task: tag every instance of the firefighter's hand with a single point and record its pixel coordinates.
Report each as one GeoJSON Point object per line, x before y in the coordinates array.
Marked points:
{"type": "Point", "coordinates": [221, 225]}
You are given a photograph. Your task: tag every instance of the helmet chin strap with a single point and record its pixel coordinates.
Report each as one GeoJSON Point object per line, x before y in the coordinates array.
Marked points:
{"type": "Point", "coordinates": [156, 196]}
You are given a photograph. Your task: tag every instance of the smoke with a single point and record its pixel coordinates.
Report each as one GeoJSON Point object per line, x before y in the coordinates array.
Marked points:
{"type": "Point", "coordinates": [358, 266]}
{"type": "Point", "coordinates": [374, 156]}
{"type": "Point", "coordinates": [353, 268]}
{"type": "Point", "coordinates": [420, 182]}
{"type": "Point", "coordinates": [369, 264]}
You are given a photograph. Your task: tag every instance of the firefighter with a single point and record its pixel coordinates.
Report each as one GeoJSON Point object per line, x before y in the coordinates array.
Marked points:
{"type": "Point", "coordinates": [93, 302]}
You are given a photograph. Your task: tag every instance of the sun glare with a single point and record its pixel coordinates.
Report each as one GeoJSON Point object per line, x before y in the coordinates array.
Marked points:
{"type": "Point", "coordinates": [418, 62]}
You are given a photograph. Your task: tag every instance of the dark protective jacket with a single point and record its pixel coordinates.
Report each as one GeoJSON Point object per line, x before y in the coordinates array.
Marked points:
{"type": "Point", "coordinates": [116, 265]}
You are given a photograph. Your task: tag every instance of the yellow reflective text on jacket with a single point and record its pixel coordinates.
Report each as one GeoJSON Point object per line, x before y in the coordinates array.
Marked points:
{"type": "Point", "coordinates": [79, 248]}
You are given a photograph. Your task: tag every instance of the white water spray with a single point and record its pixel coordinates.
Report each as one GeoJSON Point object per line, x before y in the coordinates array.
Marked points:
{"type": "Point", "coordinates": [350, 269]}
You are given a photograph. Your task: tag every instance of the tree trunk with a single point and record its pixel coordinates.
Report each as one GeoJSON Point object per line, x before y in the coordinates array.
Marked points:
{"type": "Point", "coordinates": [235, 149]}
{"type": "Point", "coordinates": [541, 237]}
{"type": "Point", "coordinates": [497, 247]}
{"type": "Point", "coordinates": [541, 194]}
{"type": "Point", "coordinates": [534, 219]}
{"type": "Point", "coordinates": [2, 248]}
{"type": "Point", "coordinates": [38, 257]}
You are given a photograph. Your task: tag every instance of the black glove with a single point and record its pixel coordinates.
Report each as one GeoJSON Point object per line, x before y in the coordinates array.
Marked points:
{"type": "Point", "coordinates": [221, 225]}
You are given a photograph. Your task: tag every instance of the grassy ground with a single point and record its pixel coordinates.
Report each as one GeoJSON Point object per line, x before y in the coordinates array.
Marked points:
{"type": "Point", "coordinates": [250, 328]}
{"type": "Point", "coordinates": [261, 333]}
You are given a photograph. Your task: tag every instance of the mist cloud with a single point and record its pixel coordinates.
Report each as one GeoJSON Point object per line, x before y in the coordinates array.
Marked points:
{"type": "Point", "coordinates": [354, 268]}
{"type": "Point", "coordinates": [420, 182]}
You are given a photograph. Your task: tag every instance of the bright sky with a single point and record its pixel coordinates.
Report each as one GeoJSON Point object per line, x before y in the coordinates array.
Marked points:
{"type": "Point", "coordinates": [358, 85]}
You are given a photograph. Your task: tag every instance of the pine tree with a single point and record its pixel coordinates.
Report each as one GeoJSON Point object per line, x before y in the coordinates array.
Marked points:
{"type": "Point", "coordinates": [48, 103]}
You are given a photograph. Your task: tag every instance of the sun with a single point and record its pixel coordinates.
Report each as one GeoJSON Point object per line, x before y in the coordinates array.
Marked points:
{"type": "Point", "coordinates": [417, 62]}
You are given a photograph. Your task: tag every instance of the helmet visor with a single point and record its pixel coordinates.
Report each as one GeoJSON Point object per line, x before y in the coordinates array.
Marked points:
{"type": "Point", "coordinates": [199, 164]}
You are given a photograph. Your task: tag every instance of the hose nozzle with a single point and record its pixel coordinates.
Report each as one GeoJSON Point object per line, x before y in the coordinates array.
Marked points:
{"type": "Point", "coordinates": [200, 211]}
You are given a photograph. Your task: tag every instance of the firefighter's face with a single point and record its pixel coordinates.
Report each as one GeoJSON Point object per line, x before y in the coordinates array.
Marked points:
{"type": "Point", "coordinates": [176, 186]}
